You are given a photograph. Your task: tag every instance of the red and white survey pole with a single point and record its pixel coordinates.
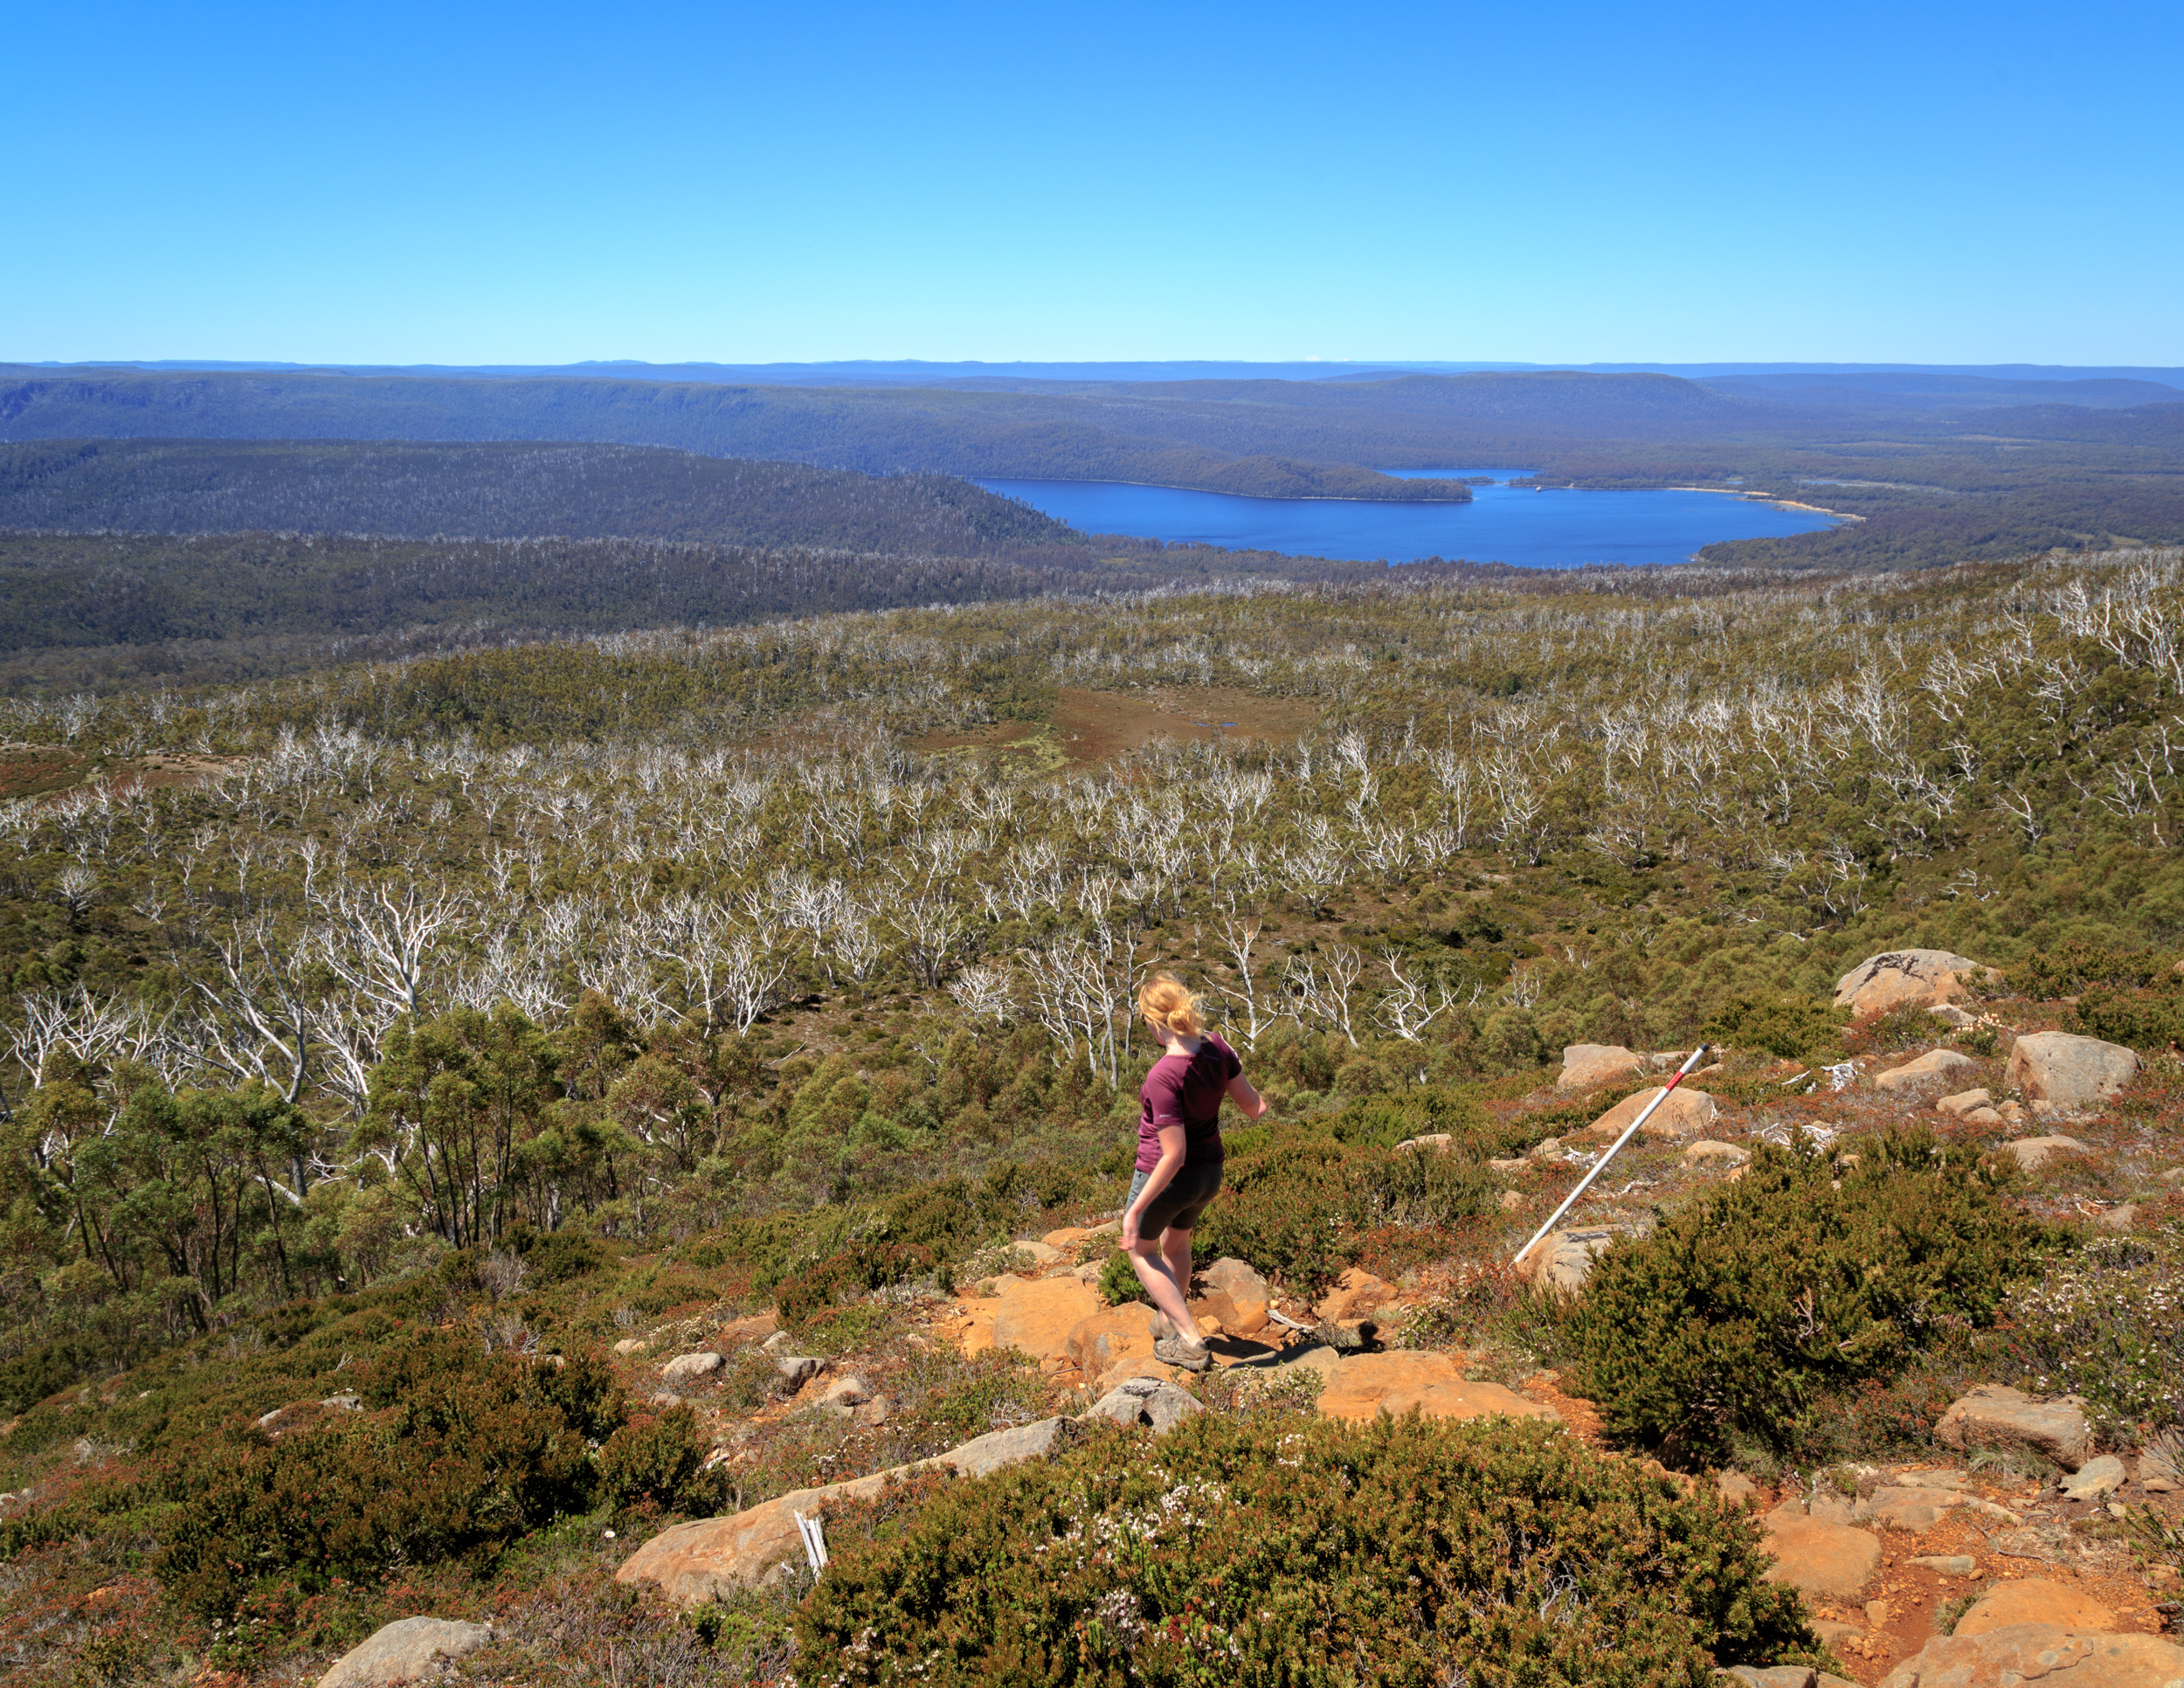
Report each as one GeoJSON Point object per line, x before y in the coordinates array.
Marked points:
{"type": "Point", "coordinates": [1601, 1165]}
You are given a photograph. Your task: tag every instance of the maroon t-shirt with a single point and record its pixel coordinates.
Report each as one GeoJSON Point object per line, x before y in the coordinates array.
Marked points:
{"type": "Point", "coordinates": [1185, 1090]}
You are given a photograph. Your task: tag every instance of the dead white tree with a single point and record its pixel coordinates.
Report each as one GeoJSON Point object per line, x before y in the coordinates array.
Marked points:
{"type": "Point", "coordinates": [1323, 987]}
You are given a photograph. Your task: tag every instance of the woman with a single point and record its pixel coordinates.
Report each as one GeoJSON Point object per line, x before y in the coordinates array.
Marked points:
{"type": "Point", "coordinates": [1178, 1159]}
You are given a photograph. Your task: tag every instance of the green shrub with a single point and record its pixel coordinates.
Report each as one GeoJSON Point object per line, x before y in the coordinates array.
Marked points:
{"type": "Point", "coordinates": [1119, 1282]}
{"type": "Point", "coordinates": [1387, 1120]}
{"type": "Point", "coordinates": [2151, 1022]}
{"type": "Point", "coordinates": [1736, 1314]}
{"type": "Point", "coordinates": [2078, 967]}
{"type": "Point", "coordinates": [2109, 1326]}
{"type": "Point", "coordinates": [1300, 1204]}
{"type": "Point", "coordinates": [456, 1453]}
{"type": "Point", "coordinates": [1794, 1028]}
{"type": "Point", "coordinates": [1300, 1552]}
{"type": "Point", "coordinates": [856, 1270]}
{"type": "Point", "coordinates": [662, 1461]}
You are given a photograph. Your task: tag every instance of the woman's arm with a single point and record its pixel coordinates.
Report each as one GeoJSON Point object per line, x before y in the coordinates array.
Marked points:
{"type": "Point", "coordinates": [1172, 1153]}
{"type": "Point", "coordinates": [1248, 1101]}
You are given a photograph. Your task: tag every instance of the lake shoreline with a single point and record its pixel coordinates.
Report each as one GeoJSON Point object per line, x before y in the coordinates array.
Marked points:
{"type": "Point", "coordinates": [987, 481]}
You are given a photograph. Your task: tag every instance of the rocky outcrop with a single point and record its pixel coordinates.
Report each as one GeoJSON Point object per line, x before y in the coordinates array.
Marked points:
{"type": "Point", "coordinates": [2053, 1657]}
{"type": "Point", "coordinates": [1588, 1066]}
{"type": "Point", "coordinates": [1995, 1415]}
{"type": "Point", "coordinates": [2034, 1152]}
{"type": "Point", "coordinates": [1686, 1113]}
{"type": "Point", "coordinates": [2095, 1480]}
{"type": "Point", "coordinates": [2034, 1600]}
{"type": "Point", "coordinates": [409, 1650]}
{"type": "Point", "coordinates": [1707, 1153]}
{"type": "Point", "coordinates": [1930, 1068]}
{"type": "Point", "coordinates": [1364, 1385]}
{"type": "Point", "coordinates": [1818, 1557]}
{"type": "Point", "coordinates": [1240, 1298]}
{"type": "Point", "coordinates": [999, 1449]}
{"type": "Point", "coordinates": [1146, 1402]}
{"type": "Point", "coordinates": [1920, 977]}
{"type": "Point", "coordinates": [685, 1369]}
{"type": "Point", "coordinates": [1037, 1315]}
{"type": "Point", "coordinates": [1563, 1260]}
{"type": "Point", "coordinates": [2057, 1071]}
{"type": "Point", "coordinates": [1111, 1336]}
{"type": "Point", "coordinates": [1356, 1293]}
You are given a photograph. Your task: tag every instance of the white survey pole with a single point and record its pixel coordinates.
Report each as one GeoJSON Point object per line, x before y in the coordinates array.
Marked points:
{"type": "Point", "coordinates": [1601, 1165]}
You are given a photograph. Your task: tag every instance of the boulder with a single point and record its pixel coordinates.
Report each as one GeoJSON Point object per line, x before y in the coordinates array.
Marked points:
{"type": "Point", "coordinates": [2095, 1480]}
{"type": "Point", "coordinates": [1564, 1259]}
{"type": "Point", "coordinates": [1921, 977]}
{"type": "Point", "coordinates": [1947, 1564]}
{"type": "Point", "coordinates": [877, 1410]}
{"type": "Point", "coordinates": [2174, 1175]}
{"type": "Point", "coordinates": [2063, 1070]}
{"type": "Point", "coordinates": [1250, 1297]}
{"type": "Point", "coordinates": [757, 1327]}
{"type": "Point", "coordinates": [1437, 1141]}
{"type": "Point", "coordinates": [797, 1370]}
{"type": "Point", "coordinates": [1364, 1385]}
{"type": "Point", "coordinates": [2034, 1152]}
{"type": "Point", "coordinates": [1707, 1153]}
{"type": "Point", "coordinates": [1153, 1402]}
{"type": "Point", "coordinates": [1511, 1166]}
{"type": "Point", "coordinates": [2034, 1600]}
{"type": "Point", "coordinates": [1819, 1558]}
{"type": "Point", "coordinates": [846, 1391]}
{"type": "Point", "coordinates": [2044, 1653]}
{"type": "Point", "coordinates": [1949, 1014]}
{"type": "Point", "coordinates": [632, 1346]}
{"type": "Point", "coordinates": [2121, 1218]}
{"type": "Point", "coordinates": [685, 1369]}
{"type": "Point", "coordinates": [1964, 1102]}
{"type": "Point", "coordinates": [711, 1558]}
{"type": "Point", "coordinates": [407, 1650]}
{"type": "Point", "coordinates": [1042, 1253]}
{"type": "Point", "coordinates": [1072, 1238]}
{"type": "Point", "coordinates": [1900, 1507]}
{"type": "Point", "coordinates": [1995, 1415]}
{"type": "Point", "coordinates": [999, 1449]}
{"type": "Point", "coordinates": [1111, 1336]}
{"type": "Point", "coordinates": [1355, 1292]}
{"type": "Point", "coordinates": [1686, 1113]}
{"type": "Point", "coordinates": [2161, 1466]}
{"type": "Point", "coordinates": [1037, 1315]}
{"type": "Point", "coordinates": [1588, 1066]}
{"type": "Point", "coordinates": [1934, 1065]}
{"type": "Point", "coordinates": [1738, 1490]}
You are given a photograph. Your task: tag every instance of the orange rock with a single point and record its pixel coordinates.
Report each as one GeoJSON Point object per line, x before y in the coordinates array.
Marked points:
{"type": "Point", "coordinates": [1588, 1066]}
{"type": "Point", "coordinates": [1686, 1113]}
{"type": "Point", "coordinates": [2035, 1599]}
{"type": "Point", "coordinates": [975, 1334]}
{"type": "Point", "coordinates": [1366, 1385]}
{"type": "Point", "coordinates": [1823, 1560]}
{"type": "Point", "coordinates": [1924, 977]}
{"type": "Point", "coordinates": [1101, 1340]}
{"type": "Point", "coordinates": [1036, 1316]}
{"type": "Point", "coordinates": [2040, 1652]}
{"type": "Point", "coordinates": [1356, 1293]}
{"type": "Point", "coordinates": [1249, 1295]}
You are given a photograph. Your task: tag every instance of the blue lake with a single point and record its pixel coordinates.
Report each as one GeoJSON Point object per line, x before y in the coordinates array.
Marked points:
{"type": "Point", "coordinates": [1552, 529]}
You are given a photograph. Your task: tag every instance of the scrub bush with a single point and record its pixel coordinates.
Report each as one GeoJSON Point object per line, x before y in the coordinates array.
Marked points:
{"type": "Point", "coordinates": [1793, 1027]}
{"type": "Point", "coordinates": [1299, 1205]}
{"type": "Point", "coordinates": [1736, 1315]}
{"type": "Point", "coordinates": [662, 1461]}
{"type": "Point", "coordinates": [855, 1270]}
{"type": "Point", "coordinates": [2108, 1325]}
{"type": "Point", "coordinates": [2151, 1022]}
{"type": "Point", "coordinates": [1296, 1550]}
{"type": "Point", "coordinates": [456, 1453]}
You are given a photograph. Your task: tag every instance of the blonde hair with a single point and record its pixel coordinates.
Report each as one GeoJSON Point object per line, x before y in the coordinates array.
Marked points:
{"type": "Point", "coordinates": [1163, 1001]}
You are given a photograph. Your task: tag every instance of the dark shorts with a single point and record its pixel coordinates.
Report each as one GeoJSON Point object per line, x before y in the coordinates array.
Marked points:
{"type": "Point", "coordinates": [1177, 1207]}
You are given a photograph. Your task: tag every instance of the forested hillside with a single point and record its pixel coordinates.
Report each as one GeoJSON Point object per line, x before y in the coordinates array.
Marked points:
{"type": "Point", "coordinates": [462, 1115]}
{"type": "Point", "coordinates": [1932, 482]}
{"type": "Point", "coordinates": [420, 490]}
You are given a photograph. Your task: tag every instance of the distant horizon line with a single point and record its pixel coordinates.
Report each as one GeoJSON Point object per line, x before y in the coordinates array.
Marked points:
{"type": "Point", "coordinates": [1110, 369]}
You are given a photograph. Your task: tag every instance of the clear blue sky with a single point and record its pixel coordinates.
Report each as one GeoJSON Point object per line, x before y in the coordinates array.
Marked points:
{"type": "Point", "coordinates": [543, 183]}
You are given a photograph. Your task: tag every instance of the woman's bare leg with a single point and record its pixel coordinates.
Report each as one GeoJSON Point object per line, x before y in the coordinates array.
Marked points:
{"type": "Point", "coordinates": [1152, 1271]}
{"type": "Point", "coordinates": [1175, 1253]}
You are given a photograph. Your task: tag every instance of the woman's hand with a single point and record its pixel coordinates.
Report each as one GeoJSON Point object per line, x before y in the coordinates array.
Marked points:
{"type": "Point", "coordinates": [1128, 1240]}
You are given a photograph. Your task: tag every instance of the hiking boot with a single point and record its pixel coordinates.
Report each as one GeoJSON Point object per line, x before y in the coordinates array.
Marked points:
{"type": "Point", "coordinates": [1184, 1353]}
